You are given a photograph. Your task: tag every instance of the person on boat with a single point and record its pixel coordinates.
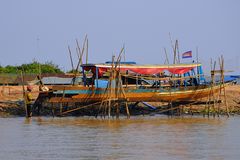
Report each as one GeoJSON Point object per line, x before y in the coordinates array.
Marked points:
{"type": "Point", "coordinates": [43, 88]}
{"type": "Point", "coordinates": [29, 101]}
{"type": "Point", "coordinates": [43, 91]}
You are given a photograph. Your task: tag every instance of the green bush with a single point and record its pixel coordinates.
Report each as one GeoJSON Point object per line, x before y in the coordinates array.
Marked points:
{"type": "Point", "coordinates": [34, 67]}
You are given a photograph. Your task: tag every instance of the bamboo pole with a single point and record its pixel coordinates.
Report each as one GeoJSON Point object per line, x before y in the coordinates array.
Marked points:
{"type": "Point", "coordinates": [224, 91]}
{"type": "Point", "coordinates": [118, 79]}
{"type": "Point", "coordinates": [61, 103]}
{"type": "Point", "coordinates": [82, 52]}
{"type": "Point", "coordinates": [117, 111]}
{"type": "Point", "coordinates": [172, 46]}
{"type": "Point", "coordinates": [213, 94]}
{"type": "Point", "coordinates": [24, 94]}
{"type": "Point", "coordinates": [220, 90]}
{"type": "Point", "coordinates": [168, 109]}
{"type": "Point", "coordinates": [197, 63]}
{"type": "Point", "coordinates": [75, 109]}
{"type": "Point", "coordinates": [84, 45]}
{"type": "Point", "coordinates": [207, 107]}
{"type": "Point", "coordinates": [87, 53]}
{"type": "Point", "coordinates": [166, 60]}
{"type": "Point", "coordinates": [52, 110]}
{"type": "Point", "coordinates": [114, 92]}
{"type": "Point", "coordinates": [124, 53]}
{"type": "Point", "coordinates": [175, 53]}
{"type": "Point", "coordinates": [177, 50]}
{"type": "Point", "coordinates": [109, 91]}
{"type": "Point", "coordinates": [124, 95]}
{"type": "Point", "coordinates": [70, 54]}
{"type": "Point", "coordinates": [79, 52]}
{"type": "Point", "coordinates": [197, 54]}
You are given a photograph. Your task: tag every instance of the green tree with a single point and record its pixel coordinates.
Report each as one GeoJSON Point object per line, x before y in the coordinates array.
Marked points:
{"type": "Point", "coordinates": [34, 67]}
{"type": "Point", "coordinates": [49, 67]}
{"type": "Point", "coordinates": [2, 69]}
{"type": "Point", "coordinates": [10, 69]}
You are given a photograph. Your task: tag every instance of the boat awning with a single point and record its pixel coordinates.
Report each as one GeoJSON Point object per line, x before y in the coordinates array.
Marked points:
{"type": "Point", "coordinates": [143, 69]}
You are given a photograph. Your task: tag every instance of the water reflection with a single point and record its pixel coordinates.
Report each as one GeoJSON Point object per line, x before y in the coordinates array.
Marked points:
{"type": "Point", "coordinates": [149, 137]}
{"type": "Point", "coordinates": [123, 122]}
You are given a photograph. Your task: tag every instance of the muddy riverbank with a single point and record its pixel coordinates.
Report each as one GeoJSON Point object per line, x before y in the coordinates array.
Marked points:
{"type": "Point", "coordinates": [11, 104]}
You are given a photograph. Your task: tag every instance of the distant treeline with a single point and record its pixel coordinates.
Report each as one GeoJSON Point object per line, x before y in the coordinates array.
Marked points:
{"type": "Point", "coordinates": [34, 67]}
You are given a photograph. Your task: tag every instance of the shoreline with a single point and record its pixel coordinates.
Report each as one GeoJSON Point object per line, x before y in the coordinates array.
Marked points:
{"type": "Point", "coordinates": [12, 105]}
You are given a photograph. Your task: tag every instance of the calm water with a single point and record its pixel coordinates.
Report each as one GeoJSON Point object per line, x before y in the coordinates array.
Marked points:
{"type": "Point", "coordinates": [156, 137]}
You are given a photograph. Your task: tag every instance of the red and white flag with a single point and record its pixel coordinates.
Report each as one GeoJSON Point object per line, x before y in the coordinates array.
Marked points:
{"type": "Point", "coordinates": [187, 54]}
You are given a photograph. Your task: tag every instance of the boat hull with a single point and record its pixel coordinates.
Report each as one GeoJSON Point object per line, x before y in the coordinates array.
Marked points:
{"type": "Point", "coordinates": [91, 94]}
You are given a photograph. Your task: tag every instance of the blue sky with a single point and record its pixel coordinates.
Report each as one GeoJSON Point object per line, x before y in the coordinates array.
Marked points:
{"type": "Point", "coordinates": [42, 30]}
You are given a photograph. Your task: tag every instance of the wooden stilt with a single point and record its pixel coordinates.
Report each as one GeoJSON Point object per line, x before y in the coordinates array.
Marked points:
{"type": "Point", "coordinates": [52, 110]}
{"type": "Point", "coordinates": [182, 110]}
{"type": "Point", "coordinates": [127, 110]}
{"type": "Point", "coordinates": [24, 94]}
{"type": "Point", "coordinates": [223, 84]}
{"type": "Point", "coordinates": [191, 110]}
{"type": "Point", "coordinates": [61, 103]}
{"type": "Point", "coordinates": [117, 111]}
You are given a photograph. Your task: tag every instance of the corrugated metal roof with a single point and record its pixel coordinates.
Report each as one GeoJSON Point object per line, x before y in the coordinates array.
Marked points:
{"type": "Point", "coordinates": [14, 78]}
{"type": "Point", "coordinates": [56, 80]}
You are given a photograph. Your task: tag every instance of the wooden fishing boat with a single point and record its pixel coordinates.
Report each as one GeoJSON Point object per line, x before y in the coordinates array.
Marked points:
{"type": "Point", "coordinates": [92, 94]}
{"type": "Point", "coordinates": [100, 86]}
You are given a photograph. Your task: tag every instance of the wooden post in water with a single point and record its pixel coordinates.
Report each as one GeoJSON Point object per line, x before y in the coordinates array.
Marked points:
{"type": "Point", "coordinates": [212, 89]}
{"type": "Point", "coordinates": [114, 92]}
{"type": "Point", "coordinates": [223, 84]}
{"type": "Point", "coordinates": [52, 109]}
{"type": "Point", "coordinates": [24, 94]}
{"type": "Point", "coordinates": [61, 103]}
{"type": "Point", "coordinates": [213, 94]}
{"type": "Point", "coordinates": [124, 95]}
{"type": "Point", "coordinates": [211, 97]}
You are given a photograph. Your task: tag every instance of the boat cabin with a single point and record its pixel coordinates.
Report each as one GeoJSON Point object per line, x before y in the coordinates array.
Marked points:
{"type": "Point", "coordinates": [131, 73]}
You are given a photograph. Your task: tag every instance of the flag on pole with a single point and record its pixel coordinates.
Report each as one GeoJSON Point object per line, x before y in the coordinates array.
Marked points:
{"type": "Point", "coordinates": [187, 54]}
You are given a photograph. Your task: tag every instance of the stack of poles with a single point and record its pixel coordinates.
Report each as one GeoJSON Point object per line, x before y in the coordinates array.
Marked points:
{"type": "Point", "coordinates": [212, 100]}
{"type": "Point", "coordinates": [115, 92]}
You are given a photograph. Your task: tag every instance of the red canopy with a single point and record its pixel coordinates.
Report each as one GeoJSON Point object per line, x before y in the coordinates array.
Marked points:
{"type": "Point", "coordinates": [143, 69]}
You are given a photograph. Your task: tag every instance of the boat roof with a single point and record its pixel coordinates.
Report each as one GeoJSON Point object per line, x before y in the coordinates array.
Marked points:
{"type": "Point", "coordinates": [108, 65]}
{"type": "Point", "coordinates": [143, 69]}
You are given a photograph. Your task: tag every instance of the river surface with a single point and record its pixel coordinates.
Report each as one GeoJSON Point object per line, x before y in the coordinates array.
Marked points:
{"type": "Point", "coordinates": [148, 137]}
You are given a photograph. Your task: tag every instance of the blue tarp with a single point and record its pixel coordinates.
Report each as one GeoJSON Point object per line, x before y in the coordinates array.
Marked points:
{"type": "Point", "coordinates": [148, 105]}
{"type": "Point", "coordinates": [235, 76]}
{"type": "Point", "coordinates": [229, 78]}
{"type": "Point", "coordinates": [128, 62]}
{"type": "Point", "coordinates": [101, 83]}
